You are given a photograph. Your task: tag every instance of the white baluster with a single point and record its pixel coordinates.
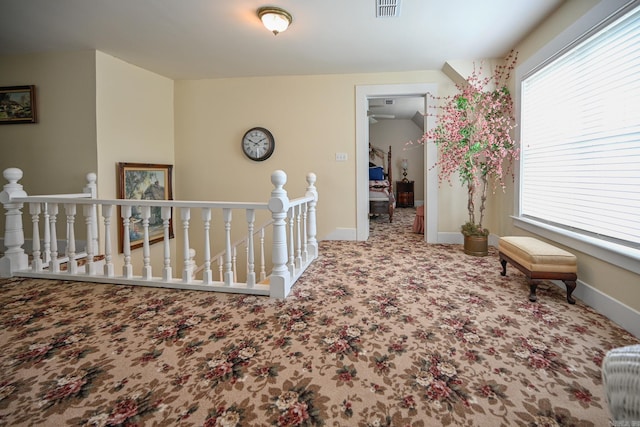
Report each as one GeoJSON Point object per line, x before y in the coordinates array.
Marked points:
{"type": "Point", "coordinates": [305, 254]}
{"type": "Point", "coordinates": [234, 267]}
{"type": "Point", "coordinates": [251, 274]}
{"type": "Point", "coordinates": [46, 254]}
{"type": "Point", "coordinates": [72, 264]}
{"type": "Point", "coordinates": [263, 267]}
{"type": "Point", "coordinates": [89, 217]}
{"type": "Point", "coordinates": [207, 276]}
{"type": "Point", "coordinates": [298, 212]}
{"type": "Point", "coordinates": [107, 211]}
{"type": "Point", "coordinates": [187, 274]}
{"type": "Point", "coordinates": [146, 254]}
{"type": "Point", "coordinates": [192, 261]}
{"type": "Point", "coordinates": [311, 232]}
{"type": "Point", "coordinates": [167, 272]}
{"type": "Point", "coordinates": [290, 219]}
{"type": "Point", "coordinates": [127, 268]}
{"type": "Point", "coordinates": [54, 264]}
{"type": "Point", "coordinates": [228, 272]}
{"type": "Point", "coordinates": [221, 268]}
{"type": "Point", "coordinates": [34, 210]}
{"type": "Point", "coordinates": [14, 258]}
{"type": "Point", "coordinates": [280, 281]}
{"type": "Point", "coordinates": [92, 188]}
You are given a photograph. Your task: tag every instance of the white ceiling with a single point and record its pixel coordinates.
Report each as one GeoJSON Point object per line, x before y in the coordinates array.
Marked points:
{"type": "Point", "coordinates": [194, 39]}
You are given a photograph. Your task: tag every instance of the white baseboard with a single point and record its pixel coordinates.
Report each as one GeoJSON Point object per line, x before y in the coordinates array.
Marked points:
{"type": "Point", "coordinates": [342, 234]}
{"type": "Point", "coordinates": [616, 311]}
{"type": "Point", "coordinates": [451, 238]}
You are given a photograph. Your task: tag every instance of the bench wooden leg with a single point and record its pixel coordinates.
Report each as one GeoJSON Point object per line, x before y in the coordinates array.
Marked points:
{"type": "Point", "coordinates": [504, 267]}
{"type": "Point", "coordinates": [571, 285]}
{"type": "Point", "coordinates": [532, 291]}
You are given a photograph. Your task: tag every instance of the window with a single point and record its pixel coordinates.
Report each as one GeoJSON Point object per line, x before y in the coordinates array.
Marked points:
{"type": "Point", "coordinates": [580, 136]}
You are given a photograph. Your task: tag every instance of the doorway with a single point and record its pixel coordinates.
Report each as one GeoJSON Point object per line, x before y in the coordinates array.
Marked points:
{"type": "Point", "coordinates": [430, 179]}
{"type": "Point", "coordinates": [393, 122]}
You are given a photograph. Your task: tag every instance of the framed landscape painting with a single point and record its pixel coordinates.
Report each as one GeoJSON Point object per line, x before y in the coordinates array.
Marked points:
{"type": "Point", "coordinates": [17, 104]}
{"type": "Point", "coordinates": [144, 181]}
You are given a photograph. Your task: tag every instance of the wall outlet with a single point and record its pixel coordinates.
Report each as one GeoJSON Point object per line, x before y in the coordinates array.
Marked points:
{"type": "Point", "coordinates": [341, 157]}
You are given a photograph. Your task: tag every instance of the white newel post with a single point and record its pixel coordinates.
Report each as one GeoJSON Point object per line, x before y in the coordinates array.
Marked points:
{"type": "Point", "coordinates": [14, 258]}
{"type": "Point", "coordinates": [311, 217]}
{"type": "Point", "coordinates": [280, 282]}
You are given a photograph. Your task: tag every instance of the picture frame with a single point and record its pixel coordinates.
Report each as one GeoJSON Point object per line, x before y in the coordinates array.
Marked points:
{"type": "Point", "coordinates": [144, 181]}
{"type": "Point", "coordinates": [18, 104]}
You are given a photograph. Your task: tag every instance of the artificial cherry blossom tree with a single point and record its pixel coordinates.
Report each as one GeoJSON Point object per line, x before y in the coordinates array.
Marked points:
{"type": "Point", "coordinates": [474, 137]}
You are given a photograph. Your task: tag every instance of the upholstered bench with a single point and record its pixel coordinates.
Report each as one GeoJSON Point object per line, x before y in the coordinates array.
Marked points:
{"type": "Point", "coordinates": [538, 260]}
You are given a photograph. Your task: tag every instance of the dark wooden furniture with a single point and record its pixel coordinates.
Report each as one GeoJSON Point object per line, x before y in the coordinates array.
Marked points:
{"type": "Point", "coordinates": [404, 196]}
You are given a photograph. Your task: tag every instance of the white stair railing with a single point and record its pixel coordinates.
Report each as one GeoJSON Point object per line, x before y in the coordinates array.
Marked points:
{"type": "Point", "coordinates": [292, 230]}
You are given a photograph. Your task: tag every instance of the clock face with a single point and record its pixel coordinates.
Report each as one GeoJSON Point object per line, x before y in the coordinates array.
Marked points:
{"type": "Point", "coordinates": [258, 144]}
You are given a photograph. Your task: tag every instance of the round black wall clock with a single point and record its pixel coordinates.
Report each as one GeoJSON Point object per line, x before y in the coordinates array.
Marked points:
{"type": "Point", "coordinates": [258, 144]}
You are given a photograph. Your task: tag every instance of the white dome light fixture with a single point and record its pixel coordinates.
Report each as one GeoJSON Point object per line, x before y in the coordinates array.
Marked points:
{"type": "Point", "coordinates": [275, 19]}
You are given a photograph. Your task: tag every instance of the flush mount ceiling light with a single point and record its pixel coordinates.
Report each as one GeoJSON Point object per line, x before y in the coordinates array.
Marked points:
{"type": "Point", "coordinates": [275, 19]}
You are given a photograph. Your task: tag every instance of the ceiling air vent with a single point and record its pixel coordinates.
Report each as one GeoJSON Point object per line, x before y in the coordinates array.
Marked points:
{"type": "Point", "coordinates": [387, 8]}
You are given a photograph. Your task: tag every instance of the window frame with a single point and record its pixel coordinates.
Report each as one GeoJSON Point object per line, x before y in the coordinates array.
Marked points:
{"type": "Point", "coordinates": [616, 254]}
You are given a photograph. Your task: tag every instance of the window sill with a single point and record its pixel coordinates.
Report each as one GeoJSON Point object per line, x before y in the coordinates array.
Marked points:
{"type": "Point", "coordinates": [618, 255]}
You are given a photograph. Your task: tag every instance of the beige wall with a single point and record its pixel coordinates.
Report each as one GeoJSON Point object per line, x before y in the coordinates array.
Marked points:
{"type": "Point", "coordinates": [57, 152]}
{"type": "Point", "coordinates": [311, 117]}
{"type": "Point", "coordinates": [134, 110]}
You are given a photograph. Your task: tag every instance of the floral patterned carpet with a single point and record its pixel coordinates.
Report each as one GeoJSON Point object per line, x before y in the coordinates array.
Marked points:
{"type": "Point", "coordinates": [389, 332]}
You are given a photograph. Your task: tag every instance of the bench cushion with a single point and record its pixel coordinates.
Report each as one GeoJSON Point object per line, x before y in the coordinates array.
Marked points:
{"type": "Point", "coordinates": [538, 256]}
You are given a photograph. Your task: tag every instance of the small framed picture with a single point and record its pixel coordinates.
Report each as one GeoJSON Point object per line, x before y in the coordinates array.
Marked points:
{"type": "Point", "coordinates": [144, 181]}
{"type": "Point", "coordinates": [17, 104]}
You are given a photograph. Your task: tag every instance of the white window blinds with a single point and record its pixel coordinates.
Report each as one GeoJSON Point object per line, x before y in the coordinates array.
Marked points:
{"type": "Point", "coordinates": [580, 136]}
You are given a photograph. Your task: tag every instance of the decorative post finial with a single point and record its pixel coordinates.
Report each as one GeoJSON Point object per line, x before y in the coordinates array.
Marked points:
{"type": "Point", "coordinates": [14, 258]}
